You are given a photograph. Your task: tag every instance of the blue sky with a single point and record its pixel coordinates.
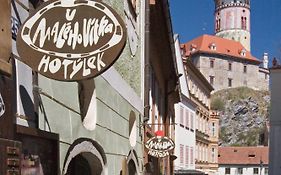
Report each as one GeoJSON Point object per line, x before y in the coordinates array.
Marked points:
{"type": "Point", "coordinates": [192, 18]}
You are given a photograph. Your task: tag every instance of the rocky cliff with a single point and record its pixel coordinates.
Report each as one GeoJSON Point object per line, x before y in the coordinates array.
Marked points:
{"type": "Point", "coordinates": [244, 113]}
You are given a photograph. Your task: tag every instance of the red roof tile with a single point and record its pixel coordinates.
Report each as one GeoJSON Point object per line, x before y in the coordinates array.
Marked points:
{"type": "Point", "coordinates": [223, 47]}
{"type": "Point", "coordinates": [243, 155]}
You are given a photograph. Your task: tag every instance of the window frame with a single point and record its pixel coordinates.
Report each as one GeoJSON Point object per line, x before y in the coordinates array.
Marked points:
{"type": "Point", "coordinates": [244, 68]}
{"type": "Point", "coordinates": [230, 82]}
{"type": "Point", "coordinates": [212, 63]}
{"type": "Point", "coordinates": [227, 170]}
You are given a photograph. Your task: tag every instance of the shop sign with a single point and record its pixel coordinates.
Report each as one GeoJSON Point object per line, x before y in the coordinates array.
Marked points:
{"type": "Point", "coordinates": [71, 40]}
{"type": "Point", "coordinates": [2, 106]}
{"type": "Point", "coordinates": [159, 146]}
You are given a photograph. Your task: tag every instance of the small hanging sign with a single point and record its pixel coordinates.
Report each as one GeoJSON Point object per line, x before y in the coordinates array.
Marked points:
{"type": "Point", "coordinates": [159, 146]}
{"type": "Point", "coordinates": [71, 40]}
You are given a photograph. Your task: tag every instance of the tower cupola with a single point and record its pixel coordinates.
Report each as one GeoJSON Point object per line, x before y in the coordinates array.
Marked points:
{"type": "Point", "coordinates": [232, 21]}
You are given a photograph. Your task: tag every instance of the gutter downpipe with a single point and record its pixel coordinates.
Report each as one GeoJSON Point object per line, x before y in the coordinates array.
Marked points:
{"type": "Point", "coordinates": [146, 72]}
{"type": "Point", "coordinates": [146, 59]}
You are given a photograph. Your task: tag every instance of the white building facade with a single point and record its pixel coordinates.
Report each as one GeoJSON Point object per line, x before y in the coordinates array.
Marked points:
{"type": "Point", "coordinates": [184, 123]}
{"type": "Point", "coordinates": [246, 170]}
{"type": "Point", "coordinates": [243, 160]}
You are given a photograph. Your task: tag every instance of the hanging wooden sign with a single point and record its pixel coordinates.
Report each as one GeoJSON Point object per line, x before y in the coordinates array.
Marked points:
{"type": "Point", "coordinates": [159, 146]}
{"type": "Point", "coordinates": [71, 40]}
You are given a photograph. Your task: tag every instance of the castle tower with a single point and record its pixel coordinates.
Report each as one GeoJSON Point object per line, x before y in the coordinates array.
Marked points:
{"type": "Point", "coordinates": [232, 20]}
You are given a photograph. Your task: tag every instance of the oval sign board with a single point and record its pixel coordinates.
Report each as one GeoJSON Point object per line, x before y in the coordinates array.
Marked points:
{"type": "Point", "coordinates": [71, 40]}
{"type": "Point", "coordinates": [159, 146]}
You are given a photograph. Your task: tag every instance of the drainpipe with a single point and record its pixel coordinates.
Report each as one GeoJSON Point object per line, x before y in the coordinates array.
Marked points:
{"type": "Point", "coordinates": [146, 72]}
{"type": "Point", "coordinates": [146, 60]}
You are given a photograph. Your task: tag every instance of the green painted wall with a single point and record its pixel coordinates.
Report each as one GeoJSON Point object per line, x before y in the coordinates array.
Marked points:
{"type": "Point", "coordinates": [112, 130]}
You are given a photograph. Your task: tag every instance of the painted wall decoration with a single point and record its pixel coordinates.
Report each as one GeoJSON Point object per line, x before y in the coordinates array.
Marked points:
{"type": "Point", "coordinates": [83, 40]}
{"type": "Point", "coordinates": [131, 22]}
{"type": "Point", "coordinates": [2, 106]}
{"type": "Point", "coordinates": [88, 103]}
{"type": "Point", "coordinates": [132, 129]}
{"type": "Point", "coordinates": [87, 150]}
{"type": "Point", "coordinates": [159, 146]}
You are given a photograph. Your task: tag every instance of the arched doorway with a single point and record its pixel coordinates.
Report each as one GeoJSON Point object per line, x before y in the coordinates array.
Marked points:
{"type": "Point", "coordinates": [132, 168]}
{"type": "Point", "coordinates": [79, 165]}
{"type": "Point", "coordinates": [85, 157]}
{"type": "Point", "coordinates": [132, 163]}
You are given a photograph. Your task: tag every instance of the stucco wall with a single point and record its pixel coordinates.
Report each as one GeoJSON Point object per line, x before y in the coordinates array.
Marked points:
{"type": "Point", "coordinates": [113, 106]}
{"type": "Point", "coordinates": [221, 72]}
{"type": "Point", "coordinates": [263, 79]}
{"type": "Point", "coordinates": [112, 130]}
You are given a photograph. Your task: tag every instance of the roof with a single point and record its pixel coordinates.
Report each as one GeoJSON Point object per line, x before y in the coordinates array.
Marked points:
{"type": "Point", "coordinates": [204, 44]}
{"type": "Point", "coordinates": [243, 155]}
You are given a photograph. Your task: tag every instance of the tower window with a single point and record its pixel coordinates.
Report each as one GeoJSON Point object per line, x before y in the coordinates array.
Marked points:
{"type": "Point", "coordinates": [244, 23]}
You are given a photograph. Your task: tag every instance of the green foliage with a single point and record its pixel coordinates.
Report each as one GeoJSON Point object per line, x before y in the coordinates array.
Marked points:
{"type": "Point", "coordinates": [217, 104]}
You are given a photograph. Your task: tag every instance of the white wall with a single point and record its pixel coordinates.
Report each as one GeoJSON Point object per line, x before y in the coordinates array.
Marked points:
{"type": "Point", "coordinates": [247, 170]}
{"type": "Point", "coordinates": [184, 136]}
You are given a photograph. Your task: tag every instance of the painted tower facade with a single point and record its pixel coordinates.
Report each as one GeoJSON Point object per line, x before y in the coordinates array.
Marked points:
{"type": "Point", "coordinates": [232, 21]}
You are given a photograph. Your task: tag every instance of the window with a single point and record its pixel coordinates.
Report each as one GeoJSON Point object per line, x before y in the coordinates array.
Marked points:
{"type": "Point", "coordinates": [245, 68]}
{"type": "Point", "coordinates": [213, 129]}
{"type": "Point", "coordinates": [212, 62]}
{"type": "Point", "coordinates": [212, 46]}
{"type": "Point", "coordinates": [191, 121]}
{"type": "Point", "coordinates": [186, 155]}
{"type": "Point", "coordinates": [191, 155]}
{"type": "Point", "coordinates": [244, 23]}
{"type": "Point", "coordinates": [265, 171]}
{"type": "Point", "coordinates": [227, 171]}
{"type": "Point", "coordinates": [256, 171]}
{"type": "Point", "coordinates": [187, 119]}
{"type": "Point", "coordinates": [229, 82]}
{"type": "Point", "coordinates": [229, 66]}
{"type": "Point", "coordinates": [181, 116]}
{"type": "Point", "coordinates": [213, 155]}
{"type": "Point", "coordinates": [265, 76]}
{"type": "Point", "coordinates": [239, 171]}
{"type": "Point", "coordinates": [212, 80]}
{"type": "Point", "coordinates": [181, 154]}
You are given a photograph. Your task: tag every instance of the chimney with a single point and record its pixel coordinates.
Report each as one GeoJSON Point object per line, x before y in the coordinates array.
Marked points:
{"type": "Point", "coordinates": [265, 60]}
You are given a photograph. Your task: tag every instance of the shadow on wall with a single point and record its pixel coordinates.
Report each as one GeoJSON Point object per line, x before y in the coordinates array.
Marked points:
{"type": "Point", "coordinates": [28, 107]}
{"type": "Point", "coordinates": [88, 103]}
